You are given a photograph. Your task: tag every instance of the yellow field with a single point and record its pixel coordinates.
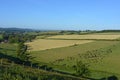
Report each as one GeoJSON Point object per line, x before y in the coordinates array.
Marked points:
{"type": "Point", "coordinates": [43, 44]}
{"type": "Point", "coordinates": [86, 36]}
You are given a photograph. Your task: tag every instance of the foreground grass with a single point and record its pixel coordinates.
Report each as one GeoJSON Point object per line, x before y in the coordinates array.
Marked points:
{"type": "Point", "coordinates": [10, 71]}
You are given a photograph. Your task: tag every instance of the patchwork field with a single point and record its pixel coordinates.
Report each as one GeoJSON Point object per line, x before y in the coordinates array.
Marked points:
{"type": "Point", "coordinates": [90, 36]}
{"type": "Point", "coordinates": [43, 44]}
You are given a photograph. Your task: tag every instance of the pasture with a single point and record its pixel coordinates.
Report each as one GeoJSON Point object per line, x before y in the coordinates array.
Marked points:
{"type": "Point", "coordinates": [88, 36]}
{"type": "Point", "coordinates": [43, 44]}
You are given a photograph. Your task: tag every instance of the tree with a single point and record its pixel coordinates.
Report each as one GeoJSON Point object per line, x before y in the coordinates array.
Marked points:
{"type": "Point", "coordinates": [82, 69]}
{"type": "Point", "coordinates": [112, 78]}
{"type": "Point", "coordinates": [22, 52]}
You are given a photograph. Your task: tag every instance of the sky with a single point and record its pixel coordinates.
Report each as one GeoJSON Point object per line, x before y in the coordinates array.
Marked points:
{"type": "Point", "coordinates": [60, 14]}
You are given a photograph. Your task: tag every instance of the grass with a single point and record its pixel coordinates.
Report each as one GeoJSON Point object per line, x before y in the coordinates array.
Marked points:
{"type": "Point", "coordinates": [0, 36]}
{"type": "Point", "coordinates": [110, 63]}
{"type": "Point", "coordinates": [9, 49]}
{"type": "Point", "coordinates": [12, 71]}
{"type": "Point", "coordinates": [111, 37]}
{"type": "Point", "coordinates": [43, 44]}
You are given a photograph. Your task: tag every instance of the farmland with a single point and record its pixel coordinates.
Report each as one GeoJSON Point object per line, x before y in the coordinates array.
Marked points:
{"type": "Point", "coordinates": [61, 54]}
{"type": "Point", "coordinates": [110, 37]}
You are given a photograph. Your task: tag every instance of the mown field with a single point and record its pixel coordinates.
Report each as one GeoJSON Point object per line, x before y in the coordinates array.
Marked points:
{"type": "Point", "coordinates": [90, 36]}
{"type": "Point", "coordinates": [43, 44]}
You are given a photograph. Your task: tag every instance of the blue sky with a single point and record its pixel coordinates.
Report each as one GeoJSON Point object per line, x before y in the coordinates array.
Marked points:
{"type": "Point", "coordinates": [60, 14]}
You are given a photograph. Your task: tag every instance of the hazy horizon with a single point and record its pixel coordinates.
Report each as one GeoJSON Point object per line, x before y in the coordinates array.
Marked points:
{"type": "Point", "coordinates": [60, 15]}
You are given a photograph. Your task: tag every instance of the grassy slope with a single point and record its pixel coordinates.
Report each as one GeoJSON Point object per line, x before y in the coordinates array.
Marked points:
{"type": "Point", "coordinates": [12, 71]}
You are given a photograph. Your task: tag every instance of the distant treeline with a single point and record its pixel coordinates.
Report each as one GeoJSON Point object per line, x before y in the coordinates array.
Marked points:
{"type": "Point", "coordinates": [8, 30]}
{"type": "Point", "coordinates": [16, 37]}
{"type": "Point", "coordinates": [110, 31]}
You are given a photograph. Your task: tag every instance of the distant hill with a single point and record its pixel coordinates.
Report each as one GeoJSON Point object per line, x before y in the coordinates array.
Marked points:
{"type": "Point", "coordinates": [15, 30]}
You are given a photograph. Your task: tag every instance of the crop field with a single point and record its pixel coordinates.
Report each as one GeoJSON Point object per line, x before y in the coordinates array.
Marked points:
{"type": "Point", "coordinates": [43, 44]}
{"type": "Point", "coordinates": [90, 36]}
